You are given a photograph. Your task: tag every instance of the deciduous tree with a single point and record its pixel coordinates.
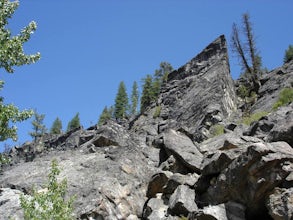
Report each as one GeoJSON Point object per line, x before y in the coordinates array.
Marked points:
{"type": "Point", "coordinates": [12, 54]}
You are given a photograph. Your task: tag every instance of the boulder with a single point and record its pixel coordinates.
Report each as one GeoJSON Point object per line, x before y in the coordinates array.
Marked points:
{"type": "Point", "coordinates": [251, 177]}
{"type": "Point", "coordinates": [155, 209]}
{"type": "Point", "coordinates": [10, 204]}
{"type": "Point", "coordinates": [280, 203]}
{"type": "Point", "coordinates": [182, 201]}
{"type": "Point", "coordinates": [225, 211]}
{"type": "Point", "coordinates": [183, 148]}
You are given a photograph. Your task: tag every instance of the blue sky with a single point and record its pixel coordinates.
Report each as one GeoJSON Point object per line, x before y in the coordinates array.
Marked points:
{"type": "Point", "coordinates": [88, 47]}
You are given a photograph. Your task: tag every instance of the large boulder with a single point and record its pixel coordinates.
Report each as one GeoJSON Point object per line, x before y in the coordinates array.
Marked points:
{"type": "Point", "coordinates": [250, 178]}
{"type": "Point", "coordinates": [280, 204]}
{"type": "Point", "coordinates": [183, 148]}
{"type": "Point", "coordinates": [182, 201]}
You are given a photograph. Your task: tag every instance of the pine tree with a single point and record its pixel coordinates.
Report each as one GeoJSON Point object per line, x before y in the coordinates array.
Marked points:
{"type": "Point", "coordinates": [134, 98]}
{"type": "Point", "coordinates": [163, 71]}
{"type": "Point", "coordinates": [247, 52]}
{"type": "Point", "coordinates": [74, 123]}
{"type": "Point", "coordinates": [56, 127]}
{"type": "Point", "coordinates": [147, 93]}
{"type": "Point", "coordinates": [288, 54]}
{"type": "Point", "coordinates": [121, 102]}
{"type": "Point", "coordinates": [39, 129]}
{"type": "Point", "coordinates": [106, 115]}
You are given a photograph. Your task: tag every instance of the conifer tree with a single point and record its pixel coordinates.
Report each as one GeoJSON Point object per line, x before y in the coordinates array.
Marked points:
{"type": "Point", "coordinates": [56, 127]}
{"type": "Point", "coordinates": [39, 129]}
{"type": "Point", "coordinates": [147, 93]}
{"type": "Point", "coordinates": [288, 54]}
{"type": "Point", "coordinates": [74, 123]}
{"type": "Point", "coordinates": [121, 102]}
{"type": "Point", "coordinates": [106, 115]}
{"type": "Point", "coordinates": [134, 98]}
{"type": "Point", "coordinates": [247, 52]}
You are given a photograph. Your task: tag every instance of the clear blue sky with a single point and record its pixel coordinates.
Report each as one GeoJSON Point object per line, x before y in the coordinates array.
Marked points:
{"type": "Point", "coordinates": [88, 47]}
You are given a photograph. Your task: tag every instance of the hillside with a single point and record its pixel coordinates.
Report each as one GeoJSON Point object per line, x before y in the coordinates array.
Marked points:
{"type": "Point", "coordinates": [189, 154]}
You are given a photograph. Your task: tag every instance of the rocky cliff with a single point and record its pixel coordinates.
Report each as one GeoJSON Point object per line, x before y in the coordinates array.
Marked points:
{"type": "Point", "coordinates": [169, 162]}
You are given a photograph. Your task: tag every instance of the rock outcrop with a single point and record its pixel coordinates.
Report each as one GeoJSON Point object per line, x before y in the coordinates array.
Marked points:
{"type": "Point", "coordinates": [170, 165]}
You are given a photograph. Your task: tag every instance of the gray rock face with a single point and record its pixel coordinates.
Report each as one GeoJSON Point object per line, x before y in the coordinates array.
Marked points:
{"type": "Point", "coordinates": [252, 176]}
{"type": "Point", "coordinates": [105, 182]}
{"type": "Point", "coordinates": [9, 204]}
{"type": "Point", "coordinates": [171, 165]}
{"type": "Point", "coordinates": [272, 83]}
{"type": "Point", "coordinates": [201, 92]}
{"type": "Point", "coordinates": [196, 96]}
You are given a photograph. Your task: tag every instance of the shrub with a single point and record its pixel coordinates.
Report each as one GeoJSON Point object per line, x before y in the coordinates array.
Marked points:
{"type": "Point", "coordinates": [50, 203]}
{"type": "Point", "coordinates": [157, 111]}
{"type": "Point", "coordinates": [254, 117]}
{"type": "Point", "coordinates": [217, 130]}
{"type": "Point", "coordinates": [285, 97]}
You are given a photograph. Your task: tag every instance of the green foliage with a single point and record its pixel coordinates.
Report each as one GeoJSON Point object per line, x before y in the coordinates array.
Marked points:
{"type": "Point", "coordinates": [11, 47]}
{"type": "Point", "coordinates": [56, 127]}
{"type": "Point", "coordinates": [288, 54]}
{"type": "Point", "coordinates": [12, 54]}
{"type": "Point", "coordinates": [157, 111]}
{"type": "Point", "coordinates": [4, 159]}
{"type": "Point", "coordinates": [217, 130]}
{"type": "Point", "coordinates": [106, 115]}
{"type": "Point", "coordinates": [243, 91]}
{"type": "Point", "coordinates": [74, 123]}
{"type": "Point", "coordinates": [9, 115]}
{"type": "Point", "coordinates": [50, 204]}
{"type": "Point", "coordinates": [285, 97]}
{"type": "Point", "coordinates": [147, 93]}
{"type": "Point", "coordinates": [134, 98]}
{"type": "Point", "coordinates": [254, 117]}
{"type": "Point", "coordinates": [152, 84]}
{"type": "Point", "coordinates": [121, 102]}
{"type": "Point", "coordinates": [39, 128]}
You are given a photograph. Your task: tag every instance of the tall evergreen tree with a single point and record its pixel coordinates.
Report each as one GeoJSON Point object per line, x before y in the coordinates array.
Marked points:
{"type": "Point", "coordinates": [147, 93]}
{"type": "Point", "coordinates": [74, 123]}
{"type": "Point", "coordinates": [39, 129]}
{"type": "Point", "coordinates": [56, 127]}
{"type": "Point", "coordinates": [106, 115]}
{"type": "Point", "coordinates": [134, 98]}
{"type": "Point", "coordinates": [121, 102]}
{"type": "Point", "coordinates": [288, 54]}
{"type": "Point", "coordinates": [247, 52]}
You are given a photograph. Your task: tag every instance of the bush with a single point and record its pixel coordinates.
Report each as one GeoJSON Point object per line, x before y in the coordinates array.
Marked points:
{"type": "Point", "coordinates": [217, 130]}
{"type": "Point", "coordinates": [254, 117]}
{"type": "Point", "coordinates": [285, 97]}
{"type": "Point", "coordinates": [157, 111]}
{"type": "Point", "coordinates": [50, 203]}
